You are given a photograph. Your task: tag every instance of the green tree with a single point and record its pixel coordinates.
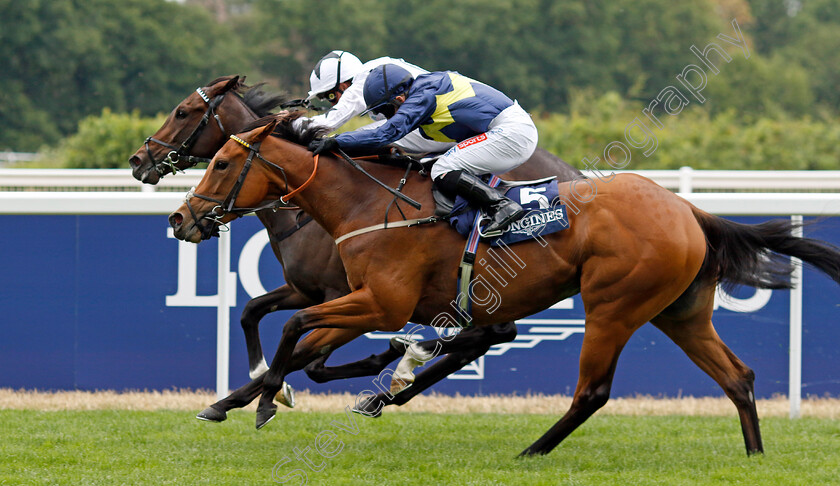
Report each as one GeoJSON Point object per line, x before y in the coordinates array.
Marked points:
{"type": "Point", "coordinates": [104, 141]}
{"type": "Point", "coordinates": [816, 47]}
{"type": "Point", "coordinates": [64, 60]}
{"type": "Point", "coordinates": [759, 86]}
{"type": "Point", "coordinates": [287, 38]}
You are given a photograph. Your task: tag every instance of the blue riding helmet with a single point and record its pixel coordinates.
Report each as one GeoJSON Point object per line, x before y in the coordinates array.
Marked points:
{"type": "Point", "coordinates": [383, 84]}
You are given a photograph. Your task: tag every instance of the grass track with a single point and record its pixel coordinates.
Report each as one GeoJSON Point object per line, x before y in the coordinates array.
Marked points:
{"type": "Point", "coordinates": [168, 447]}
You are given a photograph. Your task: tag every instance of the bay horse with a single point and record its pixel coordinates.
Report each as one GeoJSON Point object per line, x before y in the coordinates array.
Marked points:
{"type": "Point", "coordinates": [635, 251]}
{"type": "Point", "coordinates": [195, 129]}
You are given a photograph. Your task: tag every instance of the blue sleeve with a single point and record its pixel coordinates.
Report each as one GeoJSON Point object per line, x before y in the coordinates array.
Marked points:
{"type": "Point", "coordinates": [419, 106]}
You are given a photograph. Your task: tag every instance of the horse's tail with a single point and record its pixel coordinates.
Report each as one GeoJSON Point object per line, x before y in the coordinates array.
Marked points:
{"type": "Point", "coordinates": [750, 254]}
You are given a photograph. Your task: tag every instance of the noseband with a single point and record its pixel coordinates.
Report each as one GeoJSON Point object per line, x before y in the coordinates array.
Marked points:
{"type": "Point", "coordinates": [177, 154]}
{"type": "Point", "coordinates": [227, 205]}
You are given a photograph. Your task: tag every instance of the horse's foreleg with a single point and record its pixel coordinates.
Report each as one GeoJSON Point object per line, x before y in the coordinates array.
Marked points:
{"type": "Point", "coordinates": [237, 399]}
{"type": "Point", "coordinates": [309, 348]}
{"type": "Point", "coordinates": [702, 344]}
{"type": "Point", "coordinates": [598, 357]}
{"type": "Point", "coordinates": [281, 298]}
{"type": "Point", "coordinates": [355, 313]}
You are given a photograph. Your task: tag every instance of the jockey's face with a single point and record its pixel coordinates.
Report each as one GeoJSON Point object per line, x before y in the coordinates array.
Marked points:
{"type": "Point", "coordinates": [390, 109]}
{"type": "Point", "coordinates": [335, 94]}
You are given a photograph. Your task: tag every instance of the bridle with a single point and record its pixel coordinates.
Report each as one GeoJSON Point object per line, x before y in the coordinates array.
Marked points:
{"type": "Point", "coordinates": [227, 206]}
{"type": "Point", "coordinates": [177, 154]}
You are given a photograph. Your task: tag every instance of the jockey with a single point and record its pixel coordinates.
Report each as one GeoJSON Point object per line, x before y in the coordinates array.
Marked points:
{"type": "Point", "coordinates": [493, 133]}
{"type": "Point", "coordinates": [339, 78]}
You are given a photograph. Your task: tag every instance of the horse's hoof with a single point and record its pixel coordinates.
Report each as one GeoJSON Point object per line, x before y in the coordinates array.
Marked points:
{"type": "Point", "coordinates": [399, 386]}
{"type": "Point", "coordinates": [211, 414]}
{"type": "Point", "coordinates": [531, 452]}
{"type": "Point", "coordinates": [286, 395]}
{"type": "Point", "coordinates": [265, 414]}
{"type": "Point", "coordinates": [368, 408]}
{"type": "Point", "coordinates": [401, 344]}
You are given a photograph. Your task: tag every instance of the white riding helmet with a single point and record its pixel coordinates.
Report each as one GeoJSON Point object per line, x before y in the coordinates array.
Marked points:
{"type": "Point", "coordinates": [332, 70]}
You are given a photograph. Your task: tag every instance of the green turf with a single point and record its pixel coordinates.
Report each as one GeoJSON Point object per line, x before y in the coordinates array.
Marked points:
{"type": "Point", "coordinates": [118, 447]}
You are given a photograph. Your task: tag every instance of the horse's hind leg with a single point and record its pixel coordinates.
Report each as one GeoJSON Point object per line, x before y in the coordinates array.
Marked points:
{"type": "Point", "coordinates": [370, 366]}
{"type": "Point", "coordinates": [697, 337]}
{"type": "Point", "coordinates": [598, 356]}
{"type": "Point", "coordinates": [420, 353]}
{"type": "Point", "coordinates": [464, 348]}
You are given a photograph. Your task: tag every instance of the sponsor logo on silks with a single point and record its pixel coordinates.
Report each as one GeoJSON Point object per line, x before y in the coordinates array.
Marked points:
{"type": "Point", "coordinates": [472, 141]}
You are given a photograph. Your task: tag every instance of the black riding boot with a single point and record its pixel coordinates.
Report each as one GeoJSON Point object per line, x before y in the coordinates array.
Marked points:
{"type": "Point", "coordinates": [503, 210]}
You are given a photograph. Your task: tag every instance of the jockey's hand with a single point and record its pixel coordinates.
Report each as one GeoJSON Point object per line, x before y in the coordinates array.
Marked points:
{"type": "Point", "coordinates": [326, 144]}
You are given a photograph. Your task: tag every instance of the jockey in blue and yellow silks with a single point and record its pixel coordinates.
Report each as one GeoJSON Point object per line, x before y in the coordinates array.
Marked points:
{"type": "Point", "coordinates": [493, 133]}
{"type": "Point", "coordinates": [339, 78]}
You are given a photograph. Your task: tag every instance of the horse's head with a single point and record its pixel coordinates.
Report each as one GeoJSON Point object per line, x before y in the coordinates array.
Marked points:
{"type": "Point", "coordinates": [225, 192]}
{"type": "Point", "coordinates": [192, 133]}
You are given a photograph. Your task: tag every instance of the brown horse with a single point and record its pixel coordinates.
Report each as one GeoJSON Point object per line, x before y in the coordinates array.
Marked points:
{"type": "Point", "coordinates": [195, 129]}
{"type": "Point", "coordinates": [634, 251]}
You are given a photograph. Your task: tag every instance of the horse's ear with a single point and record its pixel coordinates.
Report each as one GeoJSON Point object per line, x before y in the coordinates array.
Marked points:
{"type": "Point", "coordinates": [264, 132]}
{"type": "Point", "coordinates": [232, 84]}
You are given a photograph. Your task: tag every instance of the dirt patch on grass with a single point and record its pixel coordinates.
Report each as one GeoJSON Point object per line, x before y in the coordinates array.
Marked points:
{"type": "Point", "coordinates": [314, 402]}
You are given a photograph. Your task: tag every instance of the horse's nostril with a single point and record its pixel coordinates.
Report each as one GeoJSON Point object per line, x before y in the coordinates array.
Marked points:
{"type": "Point", "coordinates": [176, 219]}
{"type": "Point", "coordinates": [134, 161]}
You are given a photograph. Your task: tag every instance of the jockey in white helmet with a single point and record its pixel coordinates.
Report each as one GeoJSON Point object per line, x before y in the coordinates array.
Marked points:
{"type": "Point", "coordinates": [339, 78]}
{"type": "Point", "coordinates": [493, 133]}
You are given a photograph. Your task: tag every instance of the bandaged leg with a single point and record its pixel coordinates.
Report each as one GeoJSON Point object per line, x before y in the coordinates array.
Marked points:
{"type": "Point", "coordinates": [404, 375]}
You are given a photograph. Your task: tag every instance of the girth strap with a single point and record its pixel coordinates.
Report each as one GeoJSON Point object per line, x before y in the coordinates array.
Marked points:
{"type": "Point", "coordinates": [466, 268]}
{"type": "Point", "coordinates": [396, 224]}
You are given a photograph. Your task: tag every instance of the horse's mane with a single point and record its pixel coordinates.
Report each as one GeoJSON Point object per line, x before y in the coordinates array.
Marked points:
{"type": "Point", "coordinates": [300, 133]}
{"type": "Point", "coordinates": [254, 97]}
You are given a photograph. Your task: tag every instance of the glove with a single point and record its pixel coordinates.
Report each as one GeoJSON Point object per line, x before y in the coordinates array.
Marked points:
{"type": "Point", "coordinates": [326, 144]}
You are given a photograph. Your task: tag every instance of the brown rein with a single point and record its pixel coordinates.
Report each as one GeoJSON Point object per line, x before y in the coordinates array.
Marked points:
{"type": "Point", "coordinates": [304, 185]}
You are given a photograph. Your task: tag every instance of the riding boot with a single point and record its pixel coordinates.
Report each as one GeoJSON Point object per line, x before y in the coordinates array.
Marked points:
{"type": "Point", "coordinates": [501, 209]}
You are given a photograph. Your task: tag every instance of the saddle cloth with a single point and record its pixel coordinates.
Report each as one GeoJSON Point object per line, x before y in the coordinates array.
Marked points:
{"type": "Point", "coordinates": [545, 214]}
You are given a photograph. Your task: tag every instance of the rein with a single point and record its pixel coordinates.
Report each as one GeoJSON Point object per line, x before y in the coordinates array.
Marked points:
{"type": "Point", "coordinates": [178, 154]}
{"type": "Point", "coordinates": [300, 222]}
{"type": "Point", "coordinates": [395, 192]}
{"type": "Point", "coordinates": [302, 186]}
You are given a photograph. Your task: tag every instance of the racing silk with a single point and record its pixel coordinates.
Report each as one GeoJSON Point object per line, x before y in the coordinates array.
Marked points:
{"type": "Point", "coordinates": [352, 101]}
{"type": "Point", "coordinates": [446, 106]}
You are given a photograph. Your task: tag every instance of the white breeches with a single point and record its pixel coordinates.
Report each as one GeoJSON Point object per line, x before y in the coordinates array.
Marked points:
{"type": "Point", "coordinates": [510, 140]}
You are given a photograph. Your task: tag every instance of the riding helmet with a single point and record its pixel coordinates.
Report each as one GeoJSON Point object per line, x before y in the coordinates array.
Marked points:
{"type": "Point", "coordinates": [384, 83]}
{"type": "Point", "coordinates": [332, 70]}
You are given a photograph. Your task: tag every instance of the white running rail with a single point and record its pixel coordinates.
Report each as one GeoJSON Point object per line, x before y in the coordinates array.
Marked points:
{"type": "Point", "coordinates": [684, 180]}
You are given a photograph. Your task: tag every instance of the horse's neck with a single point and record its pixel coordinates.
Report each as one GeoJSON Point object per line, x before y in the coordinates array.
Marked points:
{"type": "Point", "coordinates": [342, 199]}
{"type": "Point", "coordinates": [240, 115]}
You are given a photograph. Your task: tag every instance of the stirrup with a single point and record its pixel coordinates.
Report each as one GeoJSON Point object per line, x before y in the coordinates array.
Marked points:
{"type": "Point", "coordinates": [492, 234]}
{"type": "Point", "coordinates": [504, 223]}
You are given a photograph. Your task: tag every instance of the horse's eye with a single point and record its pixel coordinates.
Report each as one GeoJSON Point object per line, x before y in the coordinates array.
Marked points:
{"type": "Point", "coordinates": [180, 114]}
{"type": "Point", "coordinates": [220, 165]}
